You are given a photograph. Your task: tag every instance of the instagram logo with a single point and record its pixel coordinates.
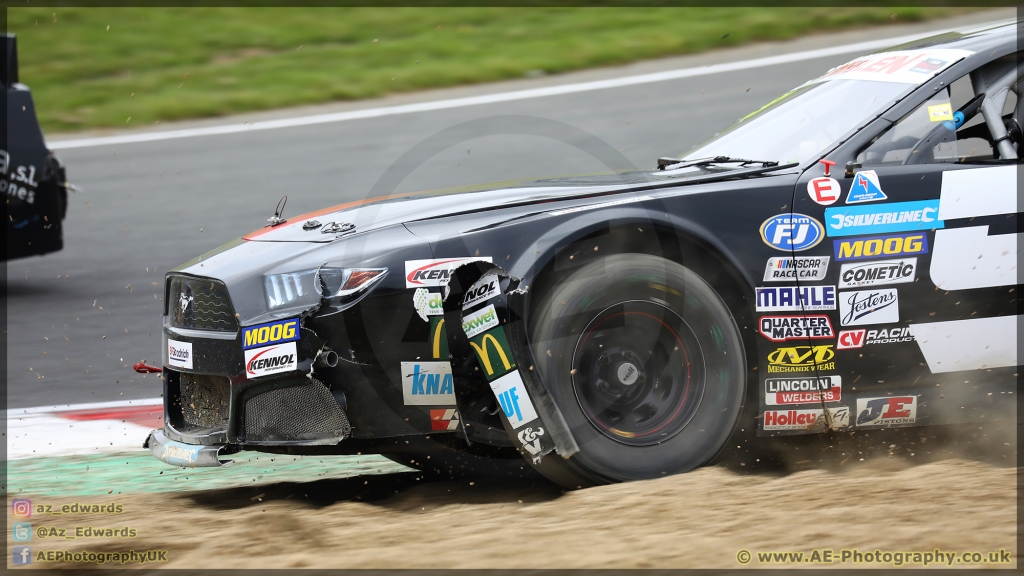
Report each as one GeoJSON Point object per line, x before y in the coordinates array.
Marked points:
{"type": "Point", "coordinates": [21, 508]}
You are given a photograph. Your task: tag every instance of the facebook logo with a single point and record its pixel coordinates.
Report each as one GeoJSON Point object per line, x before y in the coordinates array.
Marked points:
{"type": "Point", "coordinates": [513, 399]}
{"type": "Point", "coordinates": [21, 555]}
{"type": "Point", "coordinates": [21, 532]}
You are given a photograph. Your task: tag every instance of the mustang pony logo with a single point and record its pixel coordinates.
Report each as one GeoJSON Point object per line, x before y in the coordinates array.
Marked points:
{"type": "Point", "coordinates": [184, 300]}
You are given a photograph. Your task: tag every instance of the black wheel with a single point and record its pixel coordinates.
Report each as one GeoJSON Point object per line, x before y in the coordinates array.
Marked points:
{"type": "Point", "coordinates": [450, 460]}
{"type": "Point", "coordinates": [645, 362]}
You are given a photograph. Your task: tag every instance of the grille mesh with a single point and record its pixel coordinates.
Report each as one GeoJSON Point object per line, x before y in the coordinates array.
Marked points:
{"type": "Point", "coordinates": [205, 400]}
{"type": "Point", "coordinates": [200, 304]}
{"type": "Point", "coordinates": [305, 412]}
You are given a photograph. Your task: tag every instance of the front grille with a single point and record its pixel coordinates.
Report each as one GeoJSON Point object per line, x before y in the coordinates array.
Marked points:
{"type": "Point", "coordinates": [200, 304]}
{"type": "Point", "coordinates": [205, 400]}
{"type": "Point", "coordinates": [307, 412]}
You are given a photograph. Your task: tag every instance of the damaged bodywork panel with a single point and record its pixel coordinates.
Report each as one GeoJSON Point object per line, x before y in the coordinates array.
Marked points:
{"type": "Point", "coordinates": [613, 327]}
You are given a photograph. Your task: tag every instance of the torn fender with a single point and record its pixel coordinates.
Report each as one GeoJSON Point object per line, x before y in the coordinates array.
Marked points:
{"type": "Point", "coordinates": [481, 332]}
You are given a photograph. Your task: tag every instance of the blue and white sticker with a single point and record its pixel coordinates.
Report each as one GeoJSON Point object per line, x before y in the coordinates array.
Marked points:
{"type": "Point", "coordinates": [883, 218]}
{"type": "Point", "coordinates": [865, 188]}
{"type": "Point", "coordinates": [792, 232]}
{"type": "Point", "coordinates": [795, 298]}
{"type": "Point", "coordinates": [513, 399]}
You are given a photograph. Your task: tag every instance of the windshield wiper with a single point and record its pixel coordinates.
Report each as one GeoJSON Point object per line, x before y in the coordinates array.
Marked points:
{"type": "Point", "coordinates": [676, 163]}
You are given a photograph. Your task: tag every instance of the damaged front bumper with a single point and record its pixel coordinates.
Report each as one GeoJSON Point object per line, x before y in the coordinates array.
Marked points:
{"type": "Point", "coordinates": [187, 455]}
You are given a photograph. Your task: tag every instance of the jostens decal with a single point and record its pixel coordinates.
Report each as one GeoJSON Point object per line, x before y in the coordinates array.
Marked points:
{"type": "Point", "coordinates": [881, 306]}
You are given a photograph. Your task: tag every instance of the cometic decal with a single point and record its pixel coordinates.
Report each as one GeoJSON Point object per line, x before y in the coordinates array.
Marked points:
{"type": "Point", "coordinates": [270, 333]}
{"type": "Point", "coordinates": [791, 232]}
{"type": "Point", "coordinates": [882, 218]}
{"type": "Point", "coordinates": [877, 272]}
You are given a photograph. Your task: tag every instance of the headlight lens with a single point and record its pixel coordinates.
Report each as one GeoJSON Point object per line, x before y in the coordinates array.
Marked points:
{"type": "Point", "coordinates": [340, 288]}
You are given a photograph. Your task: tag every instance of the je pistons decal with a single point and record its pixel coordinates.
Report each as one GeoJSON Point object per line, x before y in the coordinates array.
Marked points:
{"type": "Point", "coordinates": [899, 245]}
{"type": "Point", "coordinates": [789, 268]}
{"type": "Point", "coordinates": [794, 298]}
{"type": "Point", "coordinates": [424, 273]}
{"type": "Point", "coordinates": [808, 390]}
{"type": "Point", "coordinates": [882, 218]}
{"type": "Point", "coordinates": [792, 232]}
{"type": "Point", "coordinates": [801, 359]}
{"type": "Point", "coordinates": [270, 333]}
{"type": "Point", "coordinates": [782, 328]}
{"type": "Point", "coordinates": [270, 360]}
{"type": "Point", "coordinates": [886, 411]}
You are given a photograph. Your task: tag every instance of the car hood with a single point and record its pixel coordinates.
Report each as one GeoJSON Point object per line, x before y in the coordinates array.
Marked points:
{"type": "Point", "coordinates": [375, 213]}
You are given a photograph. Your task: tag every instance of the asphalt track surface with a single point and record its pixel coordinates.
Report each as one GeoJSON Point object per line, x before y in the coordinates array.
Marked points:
{"type": "Point", "coordinates": [78, 319]}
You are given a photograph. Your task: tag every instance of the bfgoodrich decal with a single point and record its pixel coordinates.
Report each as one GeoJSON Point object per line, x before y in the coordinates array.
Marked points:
{"type": "Point", "coordinates": [270, 360]}
{"type": "Point", "coordinates": [877, 272]}
{"type": "Point", "coordinates": [804, 419]}
{"type": "Point", "coordinates": [789, 268]}
{"type": "Point", "coordinates": [427, 383]}
{"type": "Point", "coordinates": [807, 390]}
{"type": "Point", "coordinates": [782, 328]}
{"type": "Point", "coordinates": [791, 232]}
{"type": "Point", "coordinates": [881, 306]}
{"type": "Point", "coordinates": [877, 246]}
{"type": "Point", "coordinates": [794, 298]}
{"type": "Point", "coordinates": [424, 273]}
{"type": "Point", "coordinates": [179, 354]}
{"type": "Point", "coordinates": [882, 218]}
{"type": "Point", "coordinates": [886, 411]}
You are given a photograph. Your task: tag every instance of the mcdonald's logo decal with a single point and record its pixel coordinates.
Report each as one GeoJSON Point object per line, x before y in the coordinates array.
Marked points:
{"type": "Point", "coordinates": [438, 338]}
{"type": "Point", "coordinates": [493, 352]}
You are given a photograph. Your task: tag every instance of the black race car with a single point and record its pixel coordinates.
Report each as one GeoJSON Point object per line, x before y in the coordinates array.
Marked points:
{"type": "Point", "coordinates": [31, 177]}
{"type": "Point", "coordinates": [843, 258]}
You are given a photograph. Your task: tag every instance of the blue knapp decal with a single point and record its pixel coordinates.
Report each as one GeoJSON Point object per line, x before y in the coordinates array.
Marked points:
{"type": "Point", "coordinates": [792, 232]}
{"type": "Point", "coordinates": [882, 218]}
{"type": "Point", "coordinates": [270, 333]}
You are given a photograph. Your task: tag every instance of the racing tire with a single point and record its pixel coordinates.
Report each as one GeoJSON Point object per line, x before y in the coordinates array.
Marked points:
{"type": "Point", "coordinates": [645, 362]}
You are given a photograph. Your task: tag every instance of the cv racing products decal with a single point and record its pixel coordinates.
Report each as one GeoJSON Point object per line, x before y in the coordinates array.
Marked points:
{"type": "Point", "coordinates": [514, 401]}
{"type": "Point", "coordinates": [179, 354]}
{"type": "Point", "coordinates": [270, 360]}
{"type": "Point", "coordinates": [427, 303]}
{"type": "Point", "coordinates": [804, 419]}
{"type": "Point", "coordinates": [806, 390]}
{"type": "Point", "coordinates": [877, 272]}
{"type": "Point", "coordinates": [270, 333]}
{"type": "Point", "coordinates": [789, 268]}
{"type": "Point", "coordinates": [782, 328]}
{"type": "Point", "coordinates": [427, 383]}
{"type": "Point", "coordinates": [881, 306]}
{"type": "Point", "coordinates": [802, 359]}
{"type": "Point", "coordinates": [795, 298]}
{"type": "Point", "coordinates": [433, 273]}
{"type": "Point", "coordinates": [824, 191]}
{"type": "Point", "coordinates": [881, 246]}
{"type": "Point", "coordinates": [865, 188]}
{"type": "Point", "coordinates": [882, 218]}
{"type": "Point", "coordinates": [886, 411]}
{"type": "Point", "coordinates": [859, 338]}
{"type": "Point", "coordinates": [444, 419]}
{"type": "Point", "coordinates": [792, 232]}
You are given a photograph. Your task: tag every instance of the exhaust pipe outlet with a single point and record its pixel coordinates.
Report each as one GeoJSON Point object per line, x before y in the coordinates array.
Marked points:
{"type": "Point", "coordinates": [328, 358]}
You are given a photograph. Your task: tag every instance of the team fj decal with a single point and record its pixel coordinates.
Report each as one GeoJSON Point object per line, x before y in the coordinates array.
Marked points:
{"type": "Point", "coordinates": [483, 290]}
{"type": "Point", "coordinates": [824, 190]}
{"type": "Point", "coordinates": [789, 268]}
{"type": "Point", "coordinates": [480, 321]}
{"type": "Point", "coordinates": [804, 419]}
{"type": "Point", "coordinates": [878, 246]}
{"type": "Point", "coordinates": [807, 390]}
{"type": "Point", "coordinates": [792, 232]}
{"type": "Point", "coordinates": [883, 218]}
{"type": "Point", "coordinates": [877, 272]}
{"type": "Point", "coordinates": [270, 360]}
{"type": "Point", "coordinates": [802, 359]}
{"type": "Point", "coordinates": [179, 354]}
{"type": "Point", "coordinates": [881, 306]}
{"type": "Point", "coordinates": [886, 411]}
{"type": "Point", "coordinates": [276, 332]}
{"type": "Point", "coordinates": [427, 383]}
{"type": "Point", "coordinates": [782, 328]}
{"type": "Point", "coordinates": [432, 273]}
{"type": "Point", "coordinates": [795, 298]}
{"type": "Point", "coordinates": [514, 401]}
{"type": "Point", "coordinates": [865, 188]}
{"type": "Point", "coordinates": [427, 303]}
{"type": "Point", "coordinates": [444, 419]}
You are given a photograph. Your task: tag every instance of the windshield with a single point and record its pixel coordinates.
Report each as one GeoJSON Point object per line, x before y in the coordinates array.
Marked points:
{"type": "Point", "coordinates": [800, 124]}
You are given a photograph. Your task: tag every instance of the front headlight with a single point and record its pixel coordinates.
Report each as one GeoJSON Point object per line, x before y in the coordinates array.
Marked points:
{"type": "Point", "coordinates": [338, 288]}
